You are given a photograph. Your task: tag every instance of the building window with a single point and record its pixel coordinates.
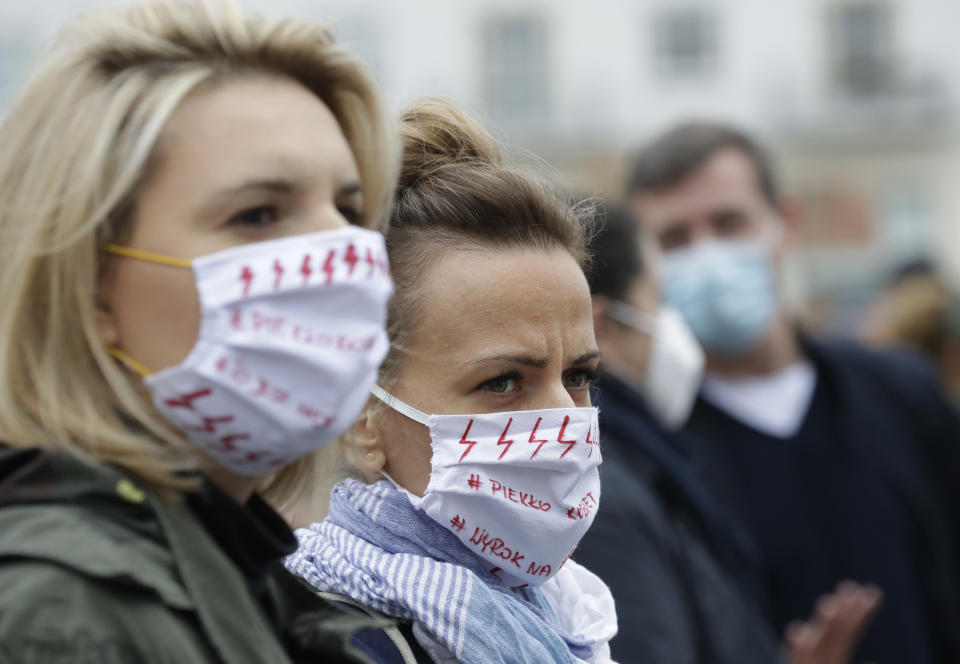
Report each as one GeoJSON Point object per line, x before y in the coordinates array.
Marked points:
{"type": "Point", "coordinates": [685, 41]}
{"type": "Point", "coordinates": [515, 72]}
{"type": "Point", "coordinates": [860, 38]}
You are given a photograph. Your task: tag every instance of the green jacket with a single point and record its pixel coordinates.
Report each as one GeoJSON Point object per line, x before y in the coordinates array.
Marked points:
{"type": "Point", "coordinates": [94, 568]}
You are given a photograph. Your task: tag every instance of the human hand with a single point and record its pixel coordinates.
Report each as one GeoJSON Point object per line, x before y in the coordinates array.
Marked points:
{"type": "Point", "coordinates": [838, 620]}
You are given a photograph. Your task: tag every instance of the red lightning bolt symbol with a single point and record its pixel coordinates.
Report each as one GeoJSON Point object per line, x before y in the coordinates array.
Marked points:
{"type": "Point", "coordinates": [508, 443]}
{"type": "Point", "coordinates": [210, 423]}
{"type": "Point", "coordinates": [568, 443]}
{"type": "Point", "coordinates": [328, 266]}
{"type": "Point", "coordinates": [227, 441]}
{"type": "Point", "coordinates": [186, 401]}
{"type": "Point", "coordinates": [534, 433]}
{"type": "Point", "coordinates": [464, 441]}
{"type": "Point", "coordinates": [351, 258]}
{"type": "Point", "coordinates": [372, 263]}
{"type": "Point", "coordinates": [246, 276]}
{"type": "Point", "coordinates": [591, 442]}
{"type": "Point", "coordinates": [305, 269]}
{"type": "Point", "coordinates": [278, 270]}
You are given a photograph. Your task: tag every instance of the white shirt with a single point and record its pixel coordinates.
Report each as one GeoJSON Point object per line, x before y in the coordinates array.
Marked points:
{"type": "Point", "coordinates": [775, 404]}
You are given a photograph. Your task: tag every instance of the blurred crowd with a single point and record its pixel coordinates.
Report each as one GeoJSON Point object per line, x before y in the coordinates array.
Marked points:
{"type": "Point", "coordinates": [798, 463]}
{"type": "Point", "coordinates": [284, 378]}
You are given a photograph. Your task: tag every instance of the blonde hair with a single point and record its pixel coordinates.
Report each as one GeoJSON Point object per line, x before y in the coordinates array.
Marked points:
{"type": "Point", "coordinates": [75, 150]}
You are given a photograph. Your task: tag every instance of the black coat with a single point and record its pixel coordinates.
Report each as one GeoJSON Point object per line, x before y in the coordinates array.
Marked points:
{"type": "Point", "coordinates": [96, 568]}
{"type": "Point", "coordinates": [678, 569]}
{"type": "Point", "coordinates": [883, 415]}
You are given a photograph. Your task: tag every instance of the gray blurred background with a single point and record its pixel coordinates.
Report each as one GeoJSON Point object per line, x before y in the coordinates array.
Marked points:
{"type": "Point", "coordinates": [857, 99]}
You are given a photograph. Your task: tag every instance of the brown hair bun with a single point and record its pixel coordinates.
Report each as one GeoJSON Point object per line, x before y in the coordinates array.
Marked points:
{"type": "Point", "coordinates": [437, 135]}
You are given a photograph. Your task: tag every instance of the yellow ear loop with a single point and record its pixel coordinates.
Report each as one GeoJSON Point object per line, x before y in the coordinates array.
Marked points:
{"type": "Point", "coordinates": [128, 361]}
{"type": "Point", "coordinates": [152, 258]}
{"type": "Point", "coordinates": [147, 256]}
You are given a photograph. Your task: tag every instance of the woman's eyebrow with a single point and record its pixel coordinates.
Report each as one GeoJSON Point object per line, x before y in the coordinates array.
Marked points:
{"type": "Point", "coordinates": [535, 362]}
{"type": "Point", "coordinates": [225, 197]}
{"type": "Point", "coordinates": [586, 357]}
{"type": "Point", "coordinates": [350, 189]}
{"type": "Point", "coordinates": [526, 360]}
{"type": "Point", "coordinates": [267, 185]}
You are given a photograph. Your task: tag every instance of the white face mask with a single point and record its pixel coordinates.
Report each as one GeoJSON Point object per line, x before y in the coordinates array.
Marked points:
{"type": "Point", "coordinates": [675, 366]}
{"type": "Point", "coordinates": [291, 336]}
{"type": "Point", "coordinates": [519, 489]}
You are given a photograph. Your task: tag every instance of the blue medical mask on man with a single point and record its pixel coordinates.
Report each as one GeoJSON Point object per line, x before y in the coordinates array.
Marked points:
{"type": "Point", "coordinates": [726, 291]}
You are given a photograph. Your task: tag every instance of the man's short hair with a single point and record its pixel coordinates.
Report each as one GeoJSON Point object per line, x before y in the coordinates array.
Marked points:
{"type": "Point", "coordinates": [673, 156]}
{"type": "Point", "coordinates": [616, 253]}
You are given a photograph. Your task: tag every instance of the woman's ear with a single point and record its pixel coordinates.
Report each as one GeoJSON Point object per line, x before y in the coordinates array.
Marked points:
{"type": "Point", "coordinates": [106, 325]}
{"type": "Point", "coordinates": [103, 317]}
{"type": "Point", "coordinates": [366, 452]}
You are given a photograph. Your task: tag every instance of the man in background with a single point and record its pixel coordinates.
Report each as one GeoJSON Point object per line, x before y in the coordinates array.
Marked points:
{"type": "Point", "coordinates": [842, 463]}
{"type": "Point", "coordinates": [680, 570]}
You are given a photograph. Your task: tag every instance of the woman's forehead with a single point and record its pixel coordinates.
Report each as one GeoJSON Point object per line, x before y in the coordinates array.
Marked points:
{"type": "Point", "coordinates": [500, 300]}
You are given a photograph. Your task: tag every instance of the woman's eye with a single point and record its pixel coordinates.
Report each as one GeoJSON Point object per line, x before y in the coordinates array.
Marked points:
{"type": "Point", "coordinates": [579, 379]}
{"type": "Point", "coordinates": [256, 217]}
{"type": "Point", "coordinates": [502, 384]}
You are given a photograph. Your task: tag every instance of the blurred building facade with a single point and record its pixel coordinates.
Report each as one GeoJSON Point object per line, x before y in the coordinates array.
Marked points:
{"type": "Point", "coordinates": [858, 99]}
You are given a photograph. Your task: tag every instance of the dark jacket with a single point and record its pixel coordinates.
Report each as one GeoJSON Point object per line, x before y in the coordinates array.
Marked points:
{"type": "Point", "coordinates": [670, 557]}
{"type": "Point", "coordinates": [883, 425]}
{"type": "Point", "coordinates": [93, 567]}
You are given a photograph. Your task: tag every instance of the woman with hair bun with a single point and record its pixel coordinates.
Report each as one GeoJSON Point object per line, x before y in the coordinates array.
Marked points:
{"type": "Point", "coordinates": [476, 459]}
{"type": "Point", "coordinates": [192, 302]}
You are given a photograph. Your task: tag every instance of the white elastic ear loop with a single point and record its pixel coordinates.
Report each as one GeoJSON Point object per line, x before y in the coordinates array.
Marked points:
{"type": "Point", "coordinates": [400, 406]}
{"type": "Point", "coordinates": [391, 480]}
{"type": "Point", "coordinates": [412, 497]}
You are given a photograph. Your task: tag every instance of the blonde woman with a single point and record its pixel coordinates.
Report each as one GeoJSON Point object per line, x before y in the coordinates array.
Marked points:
{"type": "Point", "coordinates": [191, 303]}
{"type": "Point", "coordinates": [479, 451]}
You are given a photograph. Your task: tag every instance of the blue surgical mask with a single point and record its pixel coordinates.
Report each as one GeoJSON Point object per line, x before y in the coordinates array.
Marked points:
{"type": "Point", "coordinates": [726, 291]}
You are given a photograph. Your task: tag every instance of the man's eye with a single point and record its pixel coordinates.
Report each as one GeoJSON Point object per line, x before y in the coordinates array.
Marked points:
{"type": "Point", "coordinates": [729, 222]}
{"type": "Point", "coordinates": [256, 217]}
{"type": "Point", "coordinates": [675, 238]}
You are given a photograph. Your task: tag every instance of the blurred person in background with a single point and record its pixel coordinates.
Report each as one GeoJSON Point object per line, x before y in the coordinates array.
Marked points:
{"type": "Point", "coordinates": [917, 310]}
{"type": "Point", "coordinates": [184, 187]}
{"type": "Point", "coordinates": [475, 463]}
{"type": "Point", "coordinates": [681, 570]}
{"type": "Point", "coordinates": [841, 462]}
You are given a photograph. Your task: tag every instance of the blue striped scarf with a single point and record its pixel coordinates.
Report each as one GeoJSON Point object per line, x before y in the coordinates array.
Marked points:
{"type": "Point", "coordinates": [380, 551]}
